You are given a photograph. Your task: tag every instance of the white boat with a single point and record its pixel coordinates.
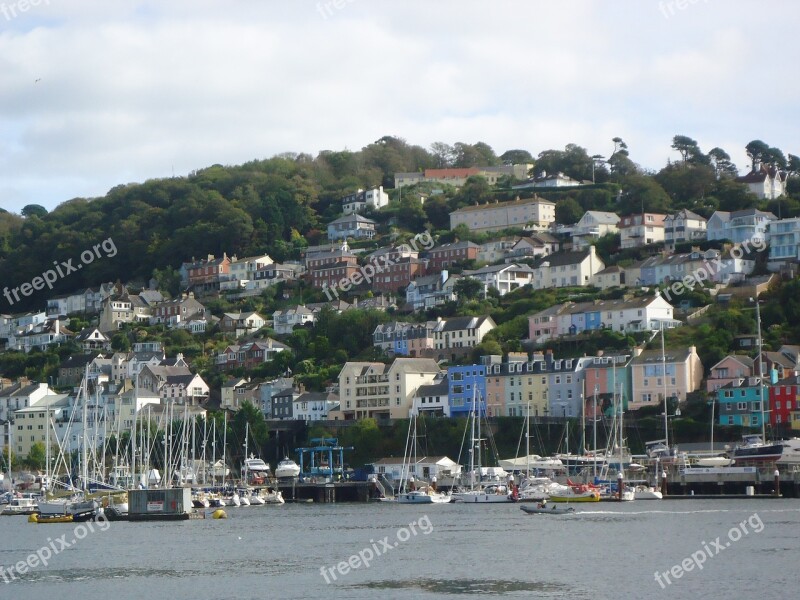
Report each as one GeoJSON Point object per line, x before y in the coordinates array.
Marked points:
{"type": "Point", "coordinates": [425, 496]}
{"type": "Point", "coordinates": [646, 492]}
{"type": "Point", "coordinates": [536, 489]}
{"type": "Point", "coordinates": [479, 492]}
{"type": "Point", "coordinates": [490, 494]}
{"type": "Point", "coordinates": [272, 496]}
{"type": "Point", "coordinates": [410, 492]}
{"type": "Point", "coordinates": [531, 462]}
{"type": "Point", "coordinates": [20, 506]}
{"type": "Point", "coordinates": [791, 452]}
{"type": "Point", "coordinates": [255, 498]}
{"type": "Point", "coordinates": [287, 469]}
{"type": "Point", "coordinates": [256, 471]}
{"type": "Point", "coordinates": [714, 461]}
{"type": "Point", "coordinates": [244, 498]}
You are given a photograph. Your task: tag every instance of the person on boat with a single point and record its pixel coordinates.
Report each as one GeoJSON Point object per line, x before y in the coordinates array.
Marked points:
{"type": "Point", "coordinates": [544, 503]}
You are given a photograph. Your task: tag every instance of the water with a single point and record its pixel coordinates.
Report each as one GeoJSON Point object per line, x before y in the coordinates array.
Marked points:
{"type": "Point", "coordinates": [262, 552]}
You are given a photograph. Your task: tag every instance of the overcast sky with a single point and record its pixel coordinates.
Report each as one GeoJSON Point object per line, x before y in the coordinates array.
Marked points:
{"type": "Point", "coordinates": [95, 93]}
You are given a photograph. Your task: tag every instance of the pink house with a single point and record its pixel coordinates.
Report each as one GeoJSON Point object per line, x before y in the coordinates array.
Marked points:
{"type": "Point", "coordinates": [729, 369]}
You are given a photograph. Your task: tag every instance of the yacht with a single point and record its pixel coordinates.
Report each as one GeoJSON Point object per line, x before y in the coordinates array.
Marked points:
{"type": "Point", "coordinates": [753, 447]}
{"type": "Point", "coordinates": [287, 469]}
{"type": "Point", "coordinates": [791, 452]}
{"type": "Point", "coordinates": [257, 470]}
{"type": "Point", "coordinates": [20, 506]}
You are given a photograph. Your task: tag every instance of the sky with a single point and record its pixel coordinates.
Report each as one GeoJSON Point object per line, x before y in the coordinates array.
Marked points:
{"type": "Point", "coordinates": [98, 93]}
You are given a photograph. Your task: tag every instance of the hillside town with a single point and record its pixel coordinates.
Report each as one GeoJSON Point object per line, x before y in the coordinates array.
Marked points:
{"type": "Point", "coordinates": [436, 366]}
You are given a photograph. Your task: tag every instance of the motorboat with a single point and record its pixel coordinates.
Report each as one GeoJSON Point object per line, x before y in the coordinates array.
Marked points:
{"type": "Point", "coordinates": [287, 469]}
{"type": "Point", "coordinates": [272, 496]}
{"type": "Point", "coordinates": [791, 452]}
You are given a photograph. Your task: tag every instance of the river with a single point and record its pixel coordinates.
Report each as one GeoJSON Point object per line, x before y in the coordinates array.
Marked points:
{"type": "Point", "coordinates": [700, 548]}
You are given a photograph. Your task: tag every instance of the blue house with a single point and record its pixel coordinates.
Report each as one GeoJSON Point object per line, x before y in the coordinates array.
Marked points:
{"type": "Point", "coordinates": [465, 383]}
{"type": "Point", "coordinates": [740, 402]}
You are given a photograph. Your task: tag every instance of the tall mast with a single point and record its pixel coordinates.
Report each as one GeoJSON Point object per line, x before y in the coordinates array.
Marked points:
{"type": "Point", "coordinates": [135, 480]}
{"type": "Point", "coordinates": [760, 372]}
{"type": "Point", "coordinates": [528, 441]}
{"type": "Point", "coordinates": [664, 381]}
{"type": "Point", "coordinates": [583, 417]}
{"type": "Point", "coordinates": [84, 458]}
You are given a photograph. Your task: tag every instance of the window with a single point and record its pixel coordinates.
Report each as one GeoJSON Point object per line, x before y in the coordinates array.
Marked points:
{"type": "Point", "coordinates": [741, 406]}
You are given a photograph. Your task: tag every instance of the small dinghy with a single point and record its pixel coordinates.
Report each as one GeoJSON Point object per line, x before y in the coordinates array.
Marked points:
{"type": "Point", "coordinates": [538, 509]}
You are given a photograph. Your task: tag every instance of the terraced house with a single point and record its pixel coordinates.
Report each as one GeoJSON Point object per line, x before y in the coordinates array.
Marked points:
{"type": "Point", "coordinates": [377, 390]}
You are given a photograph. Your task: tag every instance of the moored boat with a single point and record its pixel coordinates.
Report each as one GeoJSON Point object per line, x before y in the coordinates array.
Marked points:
{"type": "Point", "coordinates": [754, 448]}
{"type": "Point", "coordinates": [287, 469]}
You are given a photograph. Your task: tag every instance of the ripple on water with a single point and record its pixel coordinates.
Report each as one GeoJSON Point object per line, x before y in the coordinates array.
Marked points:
{"type": "Point", "coordinates": [474, 586]}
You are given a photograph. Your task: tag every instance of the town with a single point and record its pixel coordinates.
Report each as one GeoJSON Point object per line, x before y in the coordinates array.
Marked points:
{"type": "Point", "coordinates": [392, 326]}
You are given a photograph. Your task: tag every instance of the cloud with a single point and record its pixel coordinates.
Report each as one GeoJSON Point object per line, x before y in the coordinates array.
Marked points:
{"type": "Point", "coordinates": [135, 90]}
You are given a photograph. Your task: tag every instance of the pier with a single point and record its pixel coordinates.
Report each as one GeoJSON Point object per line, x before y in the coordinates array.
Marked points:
{"type": "Point", "coordinates": [327, 493]}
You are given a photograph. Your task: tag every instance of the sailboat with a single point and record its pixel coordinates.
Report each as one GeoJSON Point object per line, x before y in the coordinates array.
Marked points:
{"type": "Point", "coordinates": [76, 502]}
{"type": "Point", "coordinates": [409, 492]}
{"type": "Point", "coordinates": [495, 492]}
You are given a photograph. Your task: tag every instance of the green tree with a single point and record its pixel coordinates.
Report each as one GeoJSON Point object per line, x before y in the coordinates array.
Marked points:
{"type": "Point", "coordinates": [568, 211]}
{"type": "Point", "coordinates": [36, 456]}
{"type": "Point", "coordinates": [468, 288]}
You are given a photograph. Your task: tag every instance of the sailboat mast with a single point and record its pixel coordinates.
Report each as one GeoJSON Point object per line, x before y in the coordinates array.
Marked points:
{"type": "Point", "coordinates": [528, 441]}
{"type": "Point", "coordinates": [246, 436]}
{"type": "Point", "coordinates": [135, 479]}
{"type": "Point", "coordinates": [84, 458]}
{"type": "Point", "coordinates": [760, 372]}
{"type": "Point", "coordinates": [583, 417]}
{"type": "Point", "coordinates": [664, 381]}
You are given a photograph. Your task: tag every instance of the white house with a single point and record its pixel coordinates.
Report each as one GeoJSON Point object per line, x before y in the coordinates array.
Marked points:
{"type": "Point", "coordinates": [684, 226]}
{"type": "Point", "coordinates": [354, 226]}
{"type": "Point", "coordinates": [593, 225]}
{"type": "Point", "coordinates": [432, 398]}
{"type": "Point", "coordinates": [504, 278]}
{"type": "Point", "coordinates": [750, 225]}
{"type": "Point", "coordinates": [641, 230]}
{"type": "Point", "coordinates": [375, 198]}
{"type": "Point", "coordinates": [313, 406]}
{"type": "Point", "coordinates": [784, 242]}
{"type": "Point", "coordinates": [566, 269]}
{"type": "Point", "coordinates": [424, 467]}
{"type": "Point", "coordinates": [765, 182]}
{"type": "Point", "coordinates": [284, 321]}
{"type": "Point", "coordinates": [646, 313]}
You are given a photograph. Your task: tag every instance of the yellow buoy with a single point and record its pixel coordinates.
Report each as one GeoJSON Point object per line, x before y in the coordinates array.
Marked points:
{"type": "Point", "coordinates": [219, 514]}
{"type": "Point", "coordinates": [34, 518]}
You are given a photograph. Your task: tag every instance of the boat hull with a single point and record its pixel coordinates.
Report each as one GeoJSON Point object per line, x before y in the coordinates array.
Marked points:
{"type": "Point", "coordinates": [588, 497]}
{"type": "Point", "coordinates": [553, 510]}
{"type": "Point", "coordinates": [422, 498]}
{"type": "Point", "coordinates": [480, 498]}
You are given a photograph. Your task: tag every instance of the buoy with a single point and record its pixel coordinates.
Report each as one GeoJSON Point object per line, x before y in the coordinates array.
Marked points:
{"type": "Point", "coordinates": [219, 514]}
{"type": "Point", "coordinates": [34, 518]}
